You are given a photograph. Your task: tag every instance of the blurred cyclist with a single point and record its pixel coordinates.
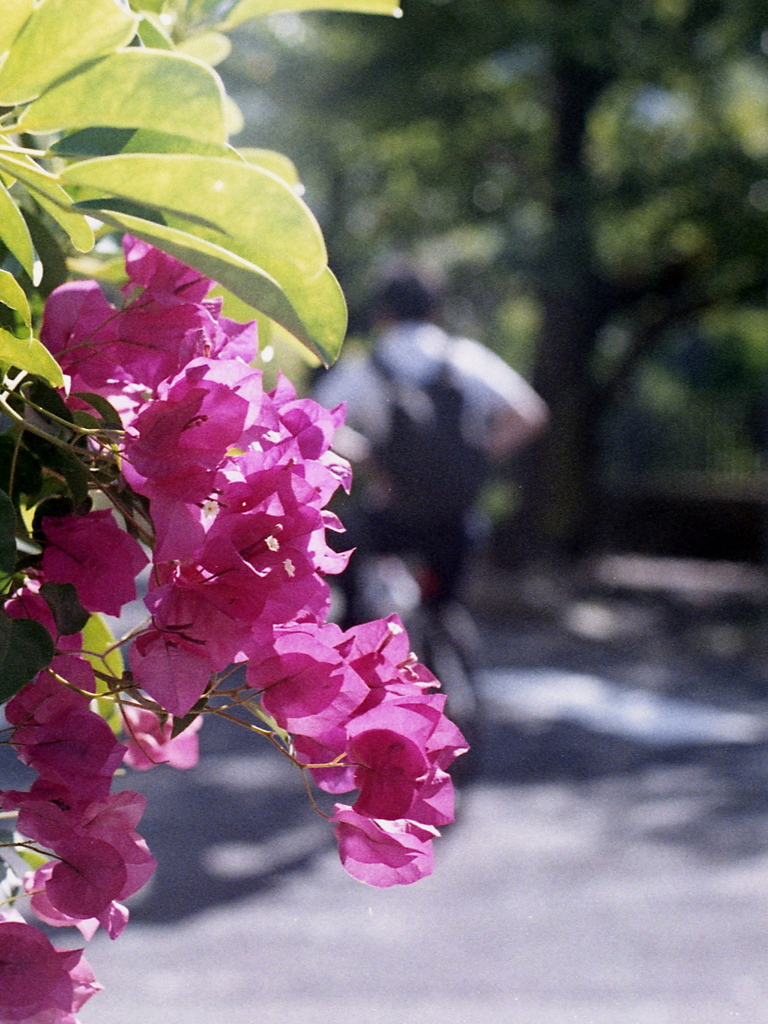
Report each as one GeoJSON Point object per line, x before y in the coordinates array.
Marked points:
{"type": "Point", "coordinates": [427, 414]}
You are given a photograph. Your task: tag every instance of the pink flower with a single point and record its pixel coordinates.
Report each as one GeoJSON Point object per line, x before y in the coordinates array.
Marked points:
{"type": "Point", "coordinates": [150, 742]}
{"type": "Point", "coordinates": [92, 552]}
{"type": "Point", "coordinates": [79, 328]}
{"type": "Point", "coordinates": [383, 853]}
{"type": "Point", "coordinates": [99, 858]}
{"type": "Point", "coordinates": [113, 919]}
{"type": "Point", "coordinates": [170, 673]}
{"type": "Point", "coordinates": [176, 444]}
{"type": "Point", "coordinates": [166, 279]}
{"type": "Point", "coordinates": [88, 876]}
{"type": "Point", "coordinates": [308, 688]}
{"type": "Point", "coordinates": [76, 749]}
{"type": "Point", "coordinates": [388, 744]}
{"type": "Point", "coordinates": [39, 984]}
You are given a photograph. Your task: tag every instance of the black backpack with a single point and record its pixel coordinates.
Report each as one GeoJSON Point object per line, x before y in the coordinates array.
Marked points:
{"type": "Point", "coordinates": [434, 473]}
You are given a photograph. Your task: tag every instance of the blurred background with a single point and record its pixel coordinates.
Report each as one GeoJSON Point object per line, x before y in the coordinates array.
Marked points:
{"type": "Point", "coordinates": [588, 180]}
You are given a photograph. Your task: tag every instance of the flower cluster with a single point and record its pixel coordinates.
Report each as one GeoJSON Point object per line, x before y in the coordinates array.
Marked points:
{"type": "Point", "coordinates": [39, 984]}
{"type": "Point", "coordinates": [229, 485]}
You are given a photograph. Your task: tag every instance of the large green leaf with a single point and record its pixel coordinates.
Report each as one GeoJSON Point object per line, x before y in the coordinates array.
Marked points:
{"type": "Point", "coordinates": [155, 6]}
{"type": "Point", "coordinates": [272, 161]}
{"type": "Point", "coordinates": [31, 355]}
{"type": "Point", "coordinates": [152, 33]}
{"type": "Point", "coordinates": [26, 648]}
{"type": "Point", "coordinates": [25, 353]}
{"type": "Point", "coordinates": [246, 204]}
{"type": "Point", "coordinates": [209, 47]}
{"type": "Point", "coordinates": [51, 196]}
{"type": "Point", "coordinates": [15, 13]}
{"type": "Point", "coordinates": [12, 295]}
{"type": "Point", "coordinates": [59, 36]}
{"type": "Point", "coordinates": [97, 142]}
{"type": "Point", "coordinates": [7, 535]}
{"type": "Point", "coordinates": [248, 9]}
{"type": "Point", "coordinates": [313, 309]}
{"type": "Point", "coordinates": [14, 231]}
{"type": "Point", "coordinates": [136, 88]}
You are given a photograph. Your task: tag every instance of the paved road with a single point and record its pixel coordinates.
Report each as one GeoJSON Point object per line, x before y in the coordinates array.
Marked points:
{"type": "Point", "coordinates": [639, 896]}
{"type": "Point", "coordinates": [606, 868]}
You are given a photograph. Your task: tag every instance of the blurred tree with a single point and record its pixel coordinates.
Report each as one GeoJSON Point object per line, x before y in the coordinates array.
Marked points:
{"type": "Point", "coordinates": [585, 174]}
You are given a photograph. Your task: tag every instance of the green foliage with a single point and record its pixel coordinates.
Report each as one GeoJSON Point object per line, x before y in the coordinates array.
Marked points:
{"type": "Point", "coordinates": [26, 648]}
{"type": "Point", "coordinates": [133, 123]}
{"type": "Point", "coordinates": [68, 614]}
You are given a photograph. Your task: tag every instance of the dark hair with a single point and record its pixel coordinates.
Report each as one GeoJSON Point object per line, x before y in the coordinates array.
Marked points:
{"type": "Point", "coordinates": [404, 296]}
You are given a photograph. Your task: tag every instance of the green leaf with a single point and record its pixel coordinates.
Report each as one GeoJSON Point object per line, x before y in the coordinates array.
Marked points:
{"type": "Point", "coordinates": [7, 535]}
{"type": "Point", "coordinates": [31, 355]}
{"type": "Point", "coordinates": [12, 295]}
{"type": "Point", "coordinates": [49, 251]}
{"type": "Point", "coordinates": [73, 223]}
{"type": "Point", "coordinates": [246, 204]}
{"type": "Point", "coordinates": [96, 142]}
{"type": "Point", "coordinates": [27, 477]}
{"type": "Point", "coordinates": [152, 34]}
{"type": "Point", "coordinates": [51, 401]}
{"type": "Point", "coordinates": [51, 197]}
{"type": "Point", "coordinates": [99, 648]}
{"type": "Point", "coordinates": [320, 299]}
{"type": "Point", "coordinates": [15, 13]}
{"type": "Point", "coordinates": [233, 117]}
{"type": "Point", "coordinates": [272, 161]}
{"type": "Point", "coordinates": [110, 416]}
{"type": "Point", "coordinates": [14, 231]}
{"type": "Point", "coordinates": [66, 465]}
{"type": "Point", "coordinates": [155, 6]}
{"type": "Point", "coordinates": [32, 858]}
{"type": "Point", "coordinates": [180, 724]}
{"type": "Point", "coordinates": [122, 206]}
{"type": "Point", "coordinates": [69, 615]}
{"type": "Point", "coordinates": [93, 142]}
{"type": "Point", "coordinates": [135, 88]}
{"type": "Point", "coordinates": [26, 648]}
{"type": "Point", "coordinates": [58, 37]}
{"type": "Point", "coordinates": [209, 47]}
{"type": "Point", "coordinates": [248, 9]}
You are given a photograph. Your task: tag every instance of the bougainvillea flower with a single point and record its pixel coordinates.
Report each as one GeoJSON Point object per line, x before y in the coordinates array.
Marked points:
{"type": "Point", "coordinates": [170, 673]}
{"type": "Point", "coordinates": [383, 853]}
{"type": "Point", "coordinates": [90, 873]}
{"type": "Point", "coordinates": [388, 770]}
{"type": "Point", "coordinates": [79, 327]}
{"type": "Point", "coordinates": [45, 698]}
{"type": "Point", "coordinates": [39, 984]}
{"type": "Point", "coordinates": [94, 554]}
{"type": "Point", "coordinates": [163, 277]}
{"type": "Point", "coordinates": [308, 688]}
{"type": "Point", "coordinates": [150, 741]}
{"type": "Point", "coordinates": [76, 749]}
{"type": "Point", "coordinates": [333, 778]}
{"type": "Point", "coordinates": [187, 612]}
{"type": "Point", "coordinates": [433, 802]}
{"type": "Point", "coordinates": [177, 444]}
{"type": "Point", "coordinates": [28, 603]}
{"type": "Point", "coordinates": [113, 920]}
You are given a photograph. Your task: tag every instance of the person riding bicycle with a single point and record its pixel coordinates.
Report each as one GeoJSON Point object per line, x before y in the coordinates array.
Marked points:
{"type": "Point", "coordinates": [426, 414]}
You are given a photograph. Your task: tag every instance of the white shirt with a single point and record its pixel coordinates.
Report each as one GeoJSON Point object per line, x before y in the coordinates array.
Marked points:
{"type": "Point", "coordinates": [415, 352]}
